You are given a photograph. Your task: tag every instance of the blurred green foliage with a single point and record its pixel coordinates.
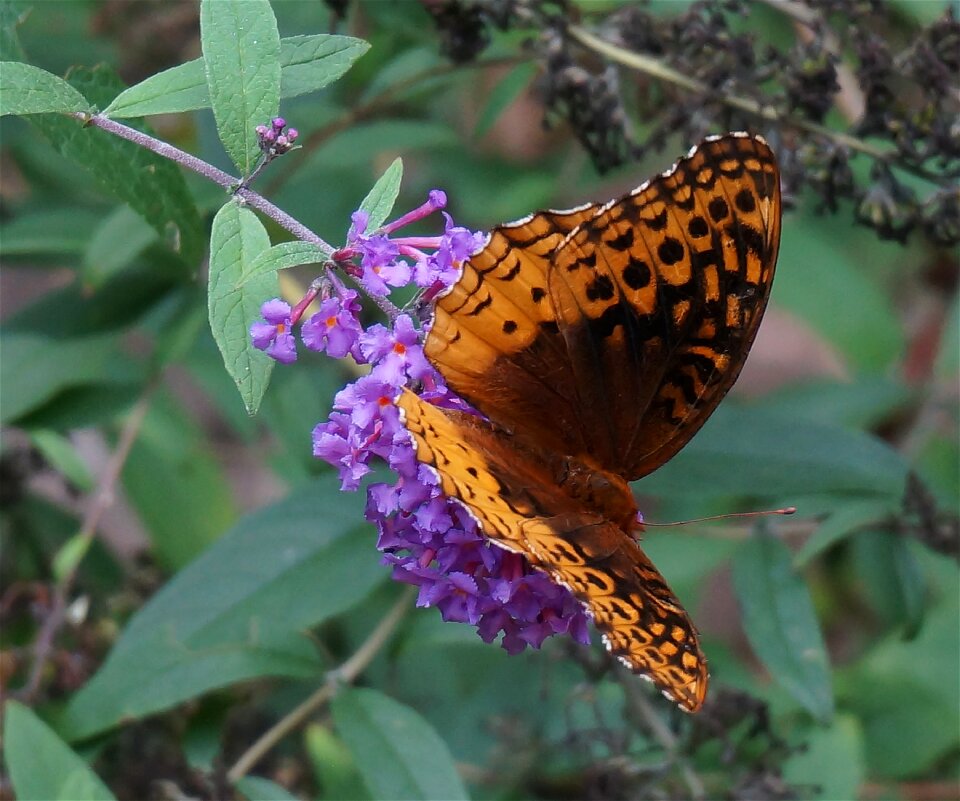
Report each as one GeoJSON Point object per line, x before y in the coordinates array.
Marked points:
{"type": "Point", "coordinates": [237, 575]}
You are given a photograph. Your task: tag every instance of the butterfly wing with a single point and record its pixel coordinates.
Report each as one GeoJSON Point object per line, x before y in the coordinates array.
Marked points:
{"type": "Point", "coordinates": [496, 340]}
{"type": "Point", "coordinates": [518, 504]}
{"type": "Point", "coordinates": [614, 331]}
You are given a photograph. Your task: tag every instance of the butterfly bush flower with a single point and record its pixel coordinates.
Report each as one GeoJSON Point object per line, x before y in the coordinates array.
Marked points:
{"type": "Point", "coordinates": [379, 264]}
{"type": "Point", "coordinates": [336, 327]}
{"type": "Point", "coordinates": [273, 333]}
{"type": "Point", "coordinates": [457, 245]}
{"type": "Point", "coordinates": [273, 140]}
{"type": "Point", "coordinates": [429, 540]}
{"type": "Point", "coordinates": [397, 354]}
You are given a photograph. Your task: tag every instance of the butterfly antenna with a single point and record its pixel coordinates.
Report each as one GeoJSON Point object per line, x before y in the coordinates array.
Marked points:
{"type": "Point", "coordinates": [789, 510]}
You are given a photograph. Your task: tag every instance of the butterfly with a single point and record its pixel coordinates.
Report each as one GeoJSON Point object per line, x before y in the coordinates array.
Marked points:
{"type": "Point", "coordinates": [595, 342]}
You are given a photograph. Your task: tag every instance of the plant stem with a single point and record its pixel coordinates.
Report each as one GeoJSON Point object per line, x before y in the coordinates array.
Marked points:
{"type": "Point", "coordinates": [657, 69]}
{"type": "Point", "coordinates": [102, 500]}
{"type": "Point", "coordinates": [637, 699]}
{"type": "Point", "coordinates": [229, 182]}
{"type": "Point", "coordinates": [218, 176]}
{"type": "Point", "coordinates": [345, 674]}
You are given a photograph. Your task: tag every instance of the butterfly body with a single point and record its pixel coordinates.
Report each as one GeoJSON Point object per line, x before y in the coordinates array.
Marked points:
{"type": "Point", "coordinates": [598, 490]}
{"type": "Point", "coordinates": [596, 342]}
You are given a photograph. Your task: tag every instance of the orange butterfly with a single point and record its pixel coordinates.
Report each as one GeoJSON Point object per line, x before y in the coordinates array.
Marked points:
{"type": "Point", "coordinates": [596, 342]}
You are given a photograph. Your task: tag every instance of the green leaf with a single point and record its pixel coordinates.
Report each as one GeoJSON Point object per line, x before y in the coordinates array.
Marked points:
{"type": "Point", "coordinates": [180, 332]}
{"type": "Point", "coordinates": [510, 87]}
{"type": "Point", "coordinates": [25, 89]}
{"type": "Point", "coordinates": [51, 231]}
{"type": "Point", "coordinates": [296, 401]}
{"type": "Point", "coordinates": [411, 63]}
{"type": "Point", "coordinates": [117, 240]}
{"type": "Point", "coordinates": [205, 364]}
{"type": "Point", "coordinates": [35, 368]}
{"type": "Point", "coordinates": [333, 765]}
{"type": "Point", "coordinates": [780, 622]}
{"type": "Point", "coordinates": [392, 746]}
{"type": "Point", "coordinates": [938, 463]}
{"type": "Point", "coordinates": [151, 185]}
{"type": "Point", "coordinates": [380, 199]}
{"type": "Point", "coordinates": [851, 517]}
{"type": "Point", "coordinates": [84, 406]}
{"type": "Point", "coordinates": [912, 730]}
{"type": "Point", "coordinates": [62, 456]}
{"type": "Point", "coordinates": [864, 403]}
{"type": "Point", "coordinates": [308, 63]}
{"type": "Point", "coordinates": [236, 239]}
{"type": "Point", "coordinates": [840, 262]}
{"type": "Point", "coordinates": [69, 556]}
{"type": "Point", "coordinates": [74, 311]}
{"type": "Point", "coordinates": [180, 88]}
{"type": "Point", "coordinates": [29, 744]}
{"type": "Point", "coordinates": [358, 145]}
{"type": "Point", "coordinates": [255, 788]}
{"type": "Point", "coordinates": [176, 485]}
{"type": "Point", "coordinates": [907, 693]}
{"type": "Point", "coordinates": [831, 764]}
{"type": "Point", "coordinates": [236, 613]}
{"type": "Point", "coordinates": [921, 13]}
{"type": "Point", "coordinates": [311, 62]}
{"type": "Point", "coordinates": [745, 451]}
{"type": "Point", "coordinates": [891, 578]}
{"type": "Point", "coordinates": [471, 683]}
{"type": "Point", "coordinates": [241, 56]}
{"type": "Point", "coordinates": [282, 256]}
{"type": "Point", "coordinates": [12, 16]}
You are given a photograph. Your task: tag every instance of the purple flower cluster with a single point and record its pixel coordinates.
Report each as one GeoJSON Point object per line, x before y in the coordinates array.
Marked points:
{"type": "Point", "coordinates": [272, 139]}
{"type": "Point", "coordinates": [430, 540]}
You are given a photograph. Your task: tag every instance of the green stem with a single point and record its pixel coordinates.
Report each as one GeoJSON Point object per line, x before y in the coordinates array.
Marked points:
{"type": "Point", "coordinates": [345, 674]}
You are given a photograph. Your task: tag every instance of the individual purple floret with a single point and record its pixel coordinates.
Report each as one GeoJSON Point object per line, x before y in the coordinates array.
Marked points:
{"type": "Point", "coordinates": [336, 327]}
{"type": "Point", "coordinates": [274, 334]}
{"type": "Point", "coordinates": [338, 444]}
{"type": "Point", "coordinates": [443, 266]}
{"type": "Point", "coordinates": [397, 354]}
{"type": "Point", "coordinates": [380, 267]}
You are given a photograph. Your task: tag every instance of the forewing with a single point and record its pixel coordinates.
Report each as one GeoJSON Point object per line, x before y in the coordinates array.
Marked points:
{"type": "Point", "coordinates": [495, 339]}
{"type": "Point", "coordinates": [618, 338]}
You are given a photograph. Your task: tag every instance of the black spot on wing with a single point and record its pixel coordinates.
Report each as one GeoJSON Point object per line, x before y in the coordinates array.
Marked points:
{"type": "Point", "coordinates": [621, 242]}
{"type": "Point", "coordinates": [636, 274]}
{"type": "Point", "coordinates": [718, 209]}
{"type": "Point", "coordinates": [600, 288]}
{"type": "Point", "coordinates": [698, 227]}
{"type": "Point", "coordinates": [670, 251]}
{"type": "Point", "coordinates": [745, 201]}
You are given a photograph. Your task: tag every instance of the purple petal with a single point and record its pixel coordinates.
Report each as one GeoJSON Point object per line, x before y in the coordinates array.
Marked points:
{"type": "Point", "coordinates": [283, 348]}
{"type": "Point", "coordinates": [262, 334]}
{"type": "Point", "coordinates": [276, 311]}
